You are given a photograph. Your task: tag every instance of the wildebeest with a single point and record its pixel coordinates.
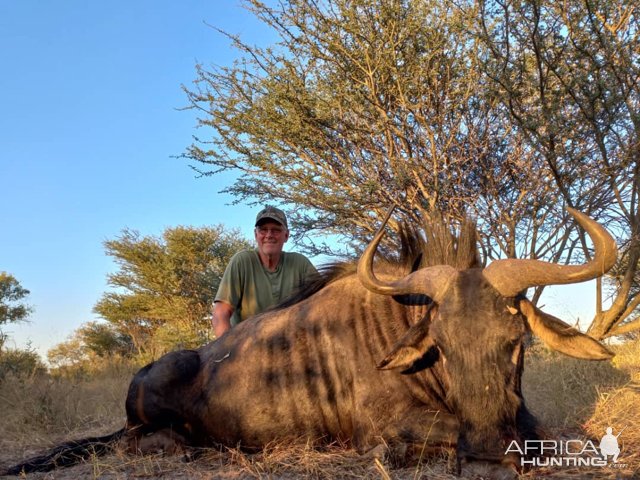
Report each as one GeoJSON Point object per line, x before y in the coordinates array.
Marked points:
{"type": "Point", "coordinates": [423, 356]}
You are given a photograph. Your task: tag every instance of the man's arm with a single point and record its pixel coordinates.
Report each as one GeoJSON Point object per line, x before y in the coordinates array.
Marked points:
{"type": "Point", "coordinates": [221, 319]}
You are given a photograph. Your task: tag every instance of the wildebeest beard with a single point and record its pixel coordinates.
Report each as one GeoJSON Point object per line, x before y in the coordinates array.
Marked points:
{"type": "Point", "coordinates": [485, 396]}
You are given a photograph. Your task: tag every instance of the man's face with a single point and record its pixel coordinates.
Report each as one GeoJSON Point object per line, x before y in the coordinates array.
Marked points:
{"type": "Point", "coordinates": [271, 237]}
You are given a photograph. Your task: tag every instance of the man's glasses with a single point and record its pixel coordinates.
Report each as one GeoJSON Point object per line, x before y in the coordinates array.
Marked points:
{"type": "Point", "coordinates": [275, 231]}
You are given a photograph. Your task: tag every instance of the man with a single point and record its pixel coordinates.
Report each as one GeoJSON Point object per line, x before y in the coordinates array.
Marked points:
{"type": "Point", "coordinates": [257, 279]}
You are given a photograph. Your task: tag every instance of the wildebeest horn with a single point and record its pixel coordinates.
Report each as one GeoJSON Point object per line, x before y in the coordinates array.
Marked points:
{"type": "Point", "coordinates": [430, 281]}
{"type": "Point", "coordinates": [511, 276]}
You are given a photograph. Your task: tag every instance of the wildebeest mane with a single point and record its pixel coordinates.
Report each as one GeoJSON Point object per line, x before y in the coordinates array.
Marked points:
{"type": "Point", "coordinates": [441, 242]}
{"type": "Point", "coordinates": [327, 274]}
{"type": "Point", "coordinates": [437, 243]}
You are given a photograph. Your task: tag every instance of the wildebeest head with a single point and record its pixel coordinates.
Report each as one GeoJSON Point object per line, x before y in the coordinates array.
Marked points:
{"type": "Point", "coordinates": [477, 328]}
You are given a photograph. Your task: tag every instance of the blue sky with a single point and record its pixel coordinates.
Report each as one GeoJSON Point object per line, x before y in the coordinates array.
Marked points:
{"type": "Point", "coordinates": [90, 94]}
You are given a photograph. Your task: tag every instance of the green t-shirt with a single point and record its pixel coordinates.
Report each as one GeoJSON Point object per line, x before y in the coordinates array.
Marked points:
{"type": "Point", "coordinates": [250, 288]}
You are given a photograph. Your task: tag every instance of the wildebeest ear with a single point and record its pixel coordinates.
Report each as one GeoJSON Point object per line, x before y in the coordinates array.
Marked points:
{"type": "Point", "coordinates": [562, 337]}
{"type": "Point", "coordinates": [410, 348]}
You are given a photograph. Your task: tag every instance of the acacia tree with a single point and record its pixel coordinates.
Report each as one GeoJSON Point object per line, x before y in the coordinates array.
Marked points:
{"type": "Point", "coordinates": [363, 105]}
{"type": "Point", "coordinates": [12, 306]}
{"type": "Point", "coordinates": [90, 341]}
{"type": "Point", "coordinates": [13, 309]}
{"type": "Point", "coordinates": [165, 287]}
{"type": "Point", "coordinates": [568, 74]}
{"type": "Point", "coordinates": [371, 103]}
{"type": "Point", "coordinates": [359, 106]}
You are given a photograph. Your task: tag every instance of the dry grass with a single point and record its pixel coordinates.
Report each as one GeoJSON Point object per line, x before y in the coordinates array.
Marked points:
{"type": "Point", "coordinates": [573, 399]}
{"type": "Point", "coordinates": [40, 410]}
{"type": "Point", "coordinates": [620, 407]}
{"type": "Point", "coordinates": [562, 392]}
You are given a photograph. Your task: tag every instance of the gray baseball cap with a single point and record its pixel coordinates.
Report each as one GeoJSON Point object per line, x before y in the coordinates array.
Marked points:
{"type": "Point", "coordinates": [272, 213]}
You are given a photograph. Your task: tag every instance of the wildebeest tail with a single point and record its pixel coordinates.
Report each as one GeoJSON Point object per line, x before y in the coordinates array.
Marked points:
{"type": "Point", "coordinates": [67, 454]}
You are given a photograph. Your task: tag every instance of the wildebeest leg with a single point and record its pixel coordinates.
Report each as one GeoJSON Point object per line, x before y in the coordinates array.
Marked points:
{"type": "Point", "coordinates": [157, 416]}
{"type": "Point", "coordinates": [417, 434]}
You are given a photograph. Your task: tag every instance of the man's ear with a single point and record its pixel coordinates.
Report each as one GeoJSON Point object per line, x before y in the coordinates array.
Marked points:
{"type": "Point", "coordinates": [562, 337]}
{"type": "Point", "coordinates": [410, 348]}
